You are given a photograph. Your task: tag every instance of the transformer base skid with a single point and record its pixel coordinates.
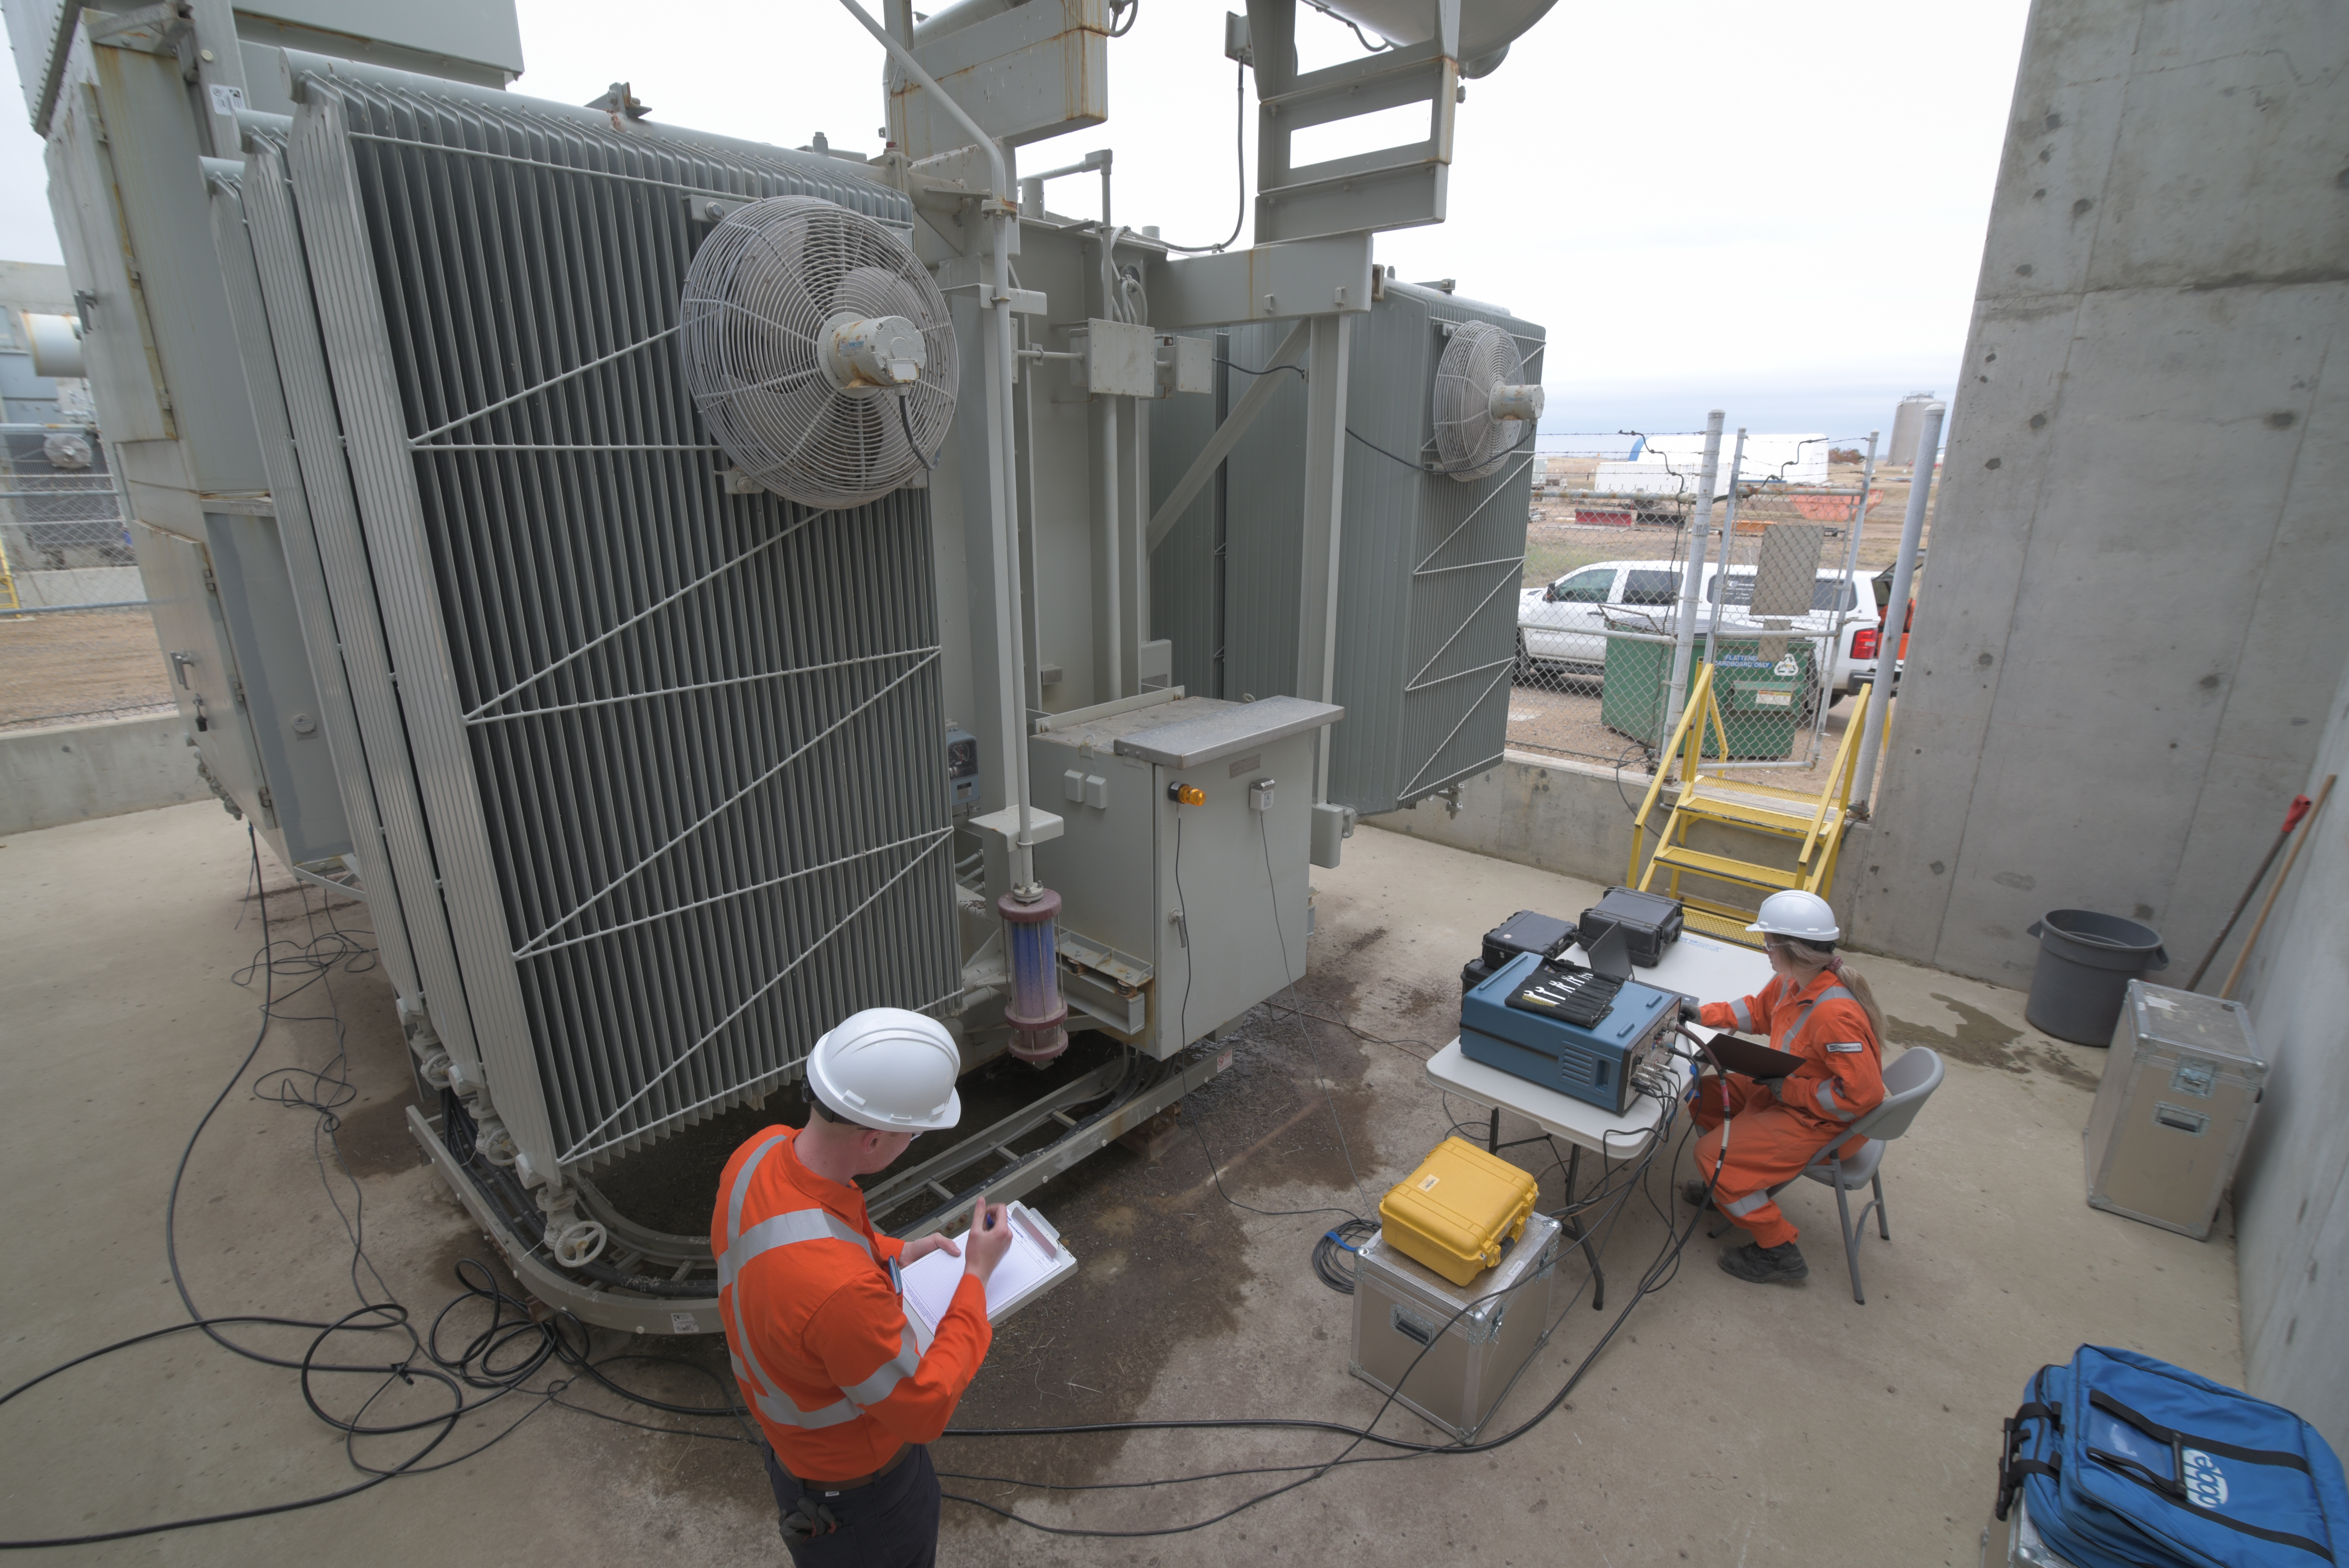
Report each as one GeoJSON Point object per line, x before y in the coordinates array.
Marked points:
{"type": "Point", "coordinates": [1146, 1090]}
{"type": "Point", "coordinates": [586, 1300]}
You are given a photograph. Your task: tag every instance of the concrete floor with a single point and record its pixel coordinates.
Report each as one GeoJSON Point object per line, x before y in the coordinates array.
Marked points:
{"type": "Point", "coordinates": [1726, 1423]}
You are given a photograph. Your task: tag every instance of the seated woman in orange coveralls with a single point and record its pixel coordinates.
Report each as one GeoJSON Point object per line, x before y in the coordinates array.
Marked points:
{"type": "Point", "coordinates": [1814, 1008]}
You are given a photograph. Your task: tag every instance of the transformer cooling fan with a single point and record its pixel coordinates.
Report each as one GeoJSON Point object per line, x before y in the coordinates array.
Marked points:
{"type": "Point", "coordinates": [818, 351]}
{"type": "Point", "coordinates": [1482, 410]}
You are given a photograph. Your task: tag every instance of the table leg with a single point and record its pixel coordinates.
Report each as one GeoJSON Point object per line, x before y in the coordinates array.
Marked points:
{"type": "Point", "coordinates": [1493, 1132]}
{"type": "Point", "coordinates": [1575, 1231]}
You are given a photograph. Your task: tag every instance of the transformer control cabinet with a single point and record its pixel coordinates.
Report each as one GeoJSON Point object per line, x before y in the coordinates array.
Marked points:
{"type": "Point", "coordinates": [1598, 1062]}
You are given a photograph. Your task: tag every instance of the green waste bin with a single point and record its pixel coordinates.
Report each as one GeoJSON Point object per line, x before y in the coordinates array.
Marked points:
{"type": "Point", "coordinates": [1762, 701]}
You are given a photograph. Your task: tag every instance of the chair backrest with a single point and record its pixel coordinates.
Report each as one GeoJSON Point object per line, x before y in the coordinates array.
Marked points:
{"type": "Point", "coordinates": [1916, 1073]}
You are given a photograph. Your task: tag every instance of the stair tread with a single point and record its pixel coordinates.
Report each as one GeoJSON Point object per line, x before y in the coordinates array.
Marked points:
{"type": "Point", "coordinates": [1728, 928]}
{"type": "Point", "coordinates": [1761, 819]}
{"type": "Point", "coordinates": [1729, 869]}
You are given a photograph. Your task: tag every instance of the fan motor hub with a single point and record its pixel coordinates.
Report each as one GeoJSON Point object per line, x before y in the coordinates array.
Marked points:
{"type": "Point", "coordinates": [1514, 402]}
{"type": "Point", "coordinates": [867, 355]}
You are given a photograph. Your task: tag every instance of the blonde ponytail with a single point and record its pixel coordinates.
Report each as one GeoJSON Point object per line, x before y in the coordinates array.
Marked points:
{"type": "Point", "coordinates": [1852, 980]}
{"type": "Point", "coordinates": [1857, 984]}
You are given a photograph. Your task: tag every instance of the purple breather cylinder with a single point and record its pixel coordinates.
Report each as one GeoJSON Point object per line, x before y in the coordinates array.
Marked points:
{"type": "Point", "coordinates": [1035, 1010]}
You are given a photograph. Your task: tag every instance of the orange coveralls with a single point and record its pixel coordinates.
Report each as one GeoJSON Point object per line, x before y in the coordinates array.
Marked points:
{"type": "Point", "coordinates": [1779, 1127]}
{"type": "Point", "coordinates": [821, 1348]}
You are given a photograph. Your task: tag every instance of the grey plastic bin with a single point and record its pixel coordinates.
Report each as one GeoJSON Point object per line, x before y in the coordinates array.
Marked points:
{"type": "Point", "coordinates": [2086, 963]}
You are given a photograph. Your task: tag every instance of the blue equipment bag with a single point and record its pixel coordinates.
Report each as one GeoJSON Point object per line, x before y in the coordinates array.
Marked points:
{"type": "Point", "coordinates": [2129, 1462]}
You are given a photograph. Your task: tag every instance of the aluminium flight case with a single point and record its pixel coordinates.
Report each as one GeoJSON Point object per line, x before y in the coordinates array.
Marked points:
{"type": "Point", "coordinates": [1452, 1350]}
{"type": "Point", "coordinates": [2013, 1542]}
{"type": "Point", "coordinates": [2180, 1087]}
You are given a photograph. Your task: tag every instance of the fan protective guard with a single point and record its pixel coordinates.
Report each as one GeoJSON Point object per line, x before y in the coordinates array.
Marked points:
{"type": "Point", "coordinates": [1482, 411]}
{"type": "Point", "coordinates": [814, 344]}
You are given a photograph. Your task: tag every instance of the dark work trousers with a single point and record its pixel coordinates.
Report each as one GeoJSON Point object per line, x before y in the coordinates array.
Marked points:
{"type": "Point", "coordinates": [892, 1522]}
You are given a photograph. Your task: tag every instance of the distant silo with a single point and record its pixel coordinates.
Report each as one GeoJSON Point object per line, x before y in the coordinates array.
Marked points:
{"type": "Point", "coordinates": [1907, 424]}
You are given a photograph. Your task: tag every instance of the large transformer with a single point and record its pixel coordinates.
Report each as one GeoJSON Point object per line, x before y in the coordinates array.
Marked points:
{"type": "Point", "coordinates": [662, 718]}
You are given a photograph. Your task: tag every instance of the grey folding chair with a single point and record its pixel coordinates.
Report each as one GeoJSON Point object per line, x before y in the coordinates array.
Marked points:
{"type": "Point", "coordinates": [1914, 1074]}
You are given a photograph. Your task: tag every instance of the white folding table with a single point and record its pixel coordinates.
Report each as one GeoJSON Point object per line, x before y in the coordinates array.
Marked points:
{"type": "Point", "coordinates": [1702, 966]}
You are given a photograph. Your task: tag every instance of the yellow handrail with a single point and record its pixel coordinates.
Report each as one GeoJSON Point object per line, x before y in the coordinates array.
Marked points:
{"type": "Point", "coordinates": [1839, 786]}
{"type": "Point", "coordinates": [1699, 700]}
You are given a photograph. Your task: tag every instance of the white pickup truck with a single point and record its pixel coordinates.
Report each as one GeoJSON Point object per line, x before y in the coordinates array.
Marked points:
{"type": "Point", "coordinates": [1565, 622]}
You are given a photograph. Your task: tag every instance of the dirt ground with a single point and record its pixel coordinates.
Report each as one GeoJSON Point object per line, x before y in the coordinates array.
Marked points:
{"type": "Point", "coordinates": [1555, 543]}
{"type": "Point", "coordinates": [71, 668]}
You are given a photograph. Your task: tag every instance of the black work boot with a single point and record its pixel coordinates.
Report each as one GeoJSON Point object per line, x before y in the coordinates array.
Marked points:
{"type": "Point", "coordinates": [1698, 1195]}
{"type": "Point", "coordinates": [1762, 1265]}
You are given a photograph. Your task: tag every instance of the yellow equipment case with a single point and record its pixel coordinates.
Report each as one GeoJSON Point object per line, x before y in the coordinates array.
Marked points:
{"type": "Point", "coordinates": [1457, 1208]}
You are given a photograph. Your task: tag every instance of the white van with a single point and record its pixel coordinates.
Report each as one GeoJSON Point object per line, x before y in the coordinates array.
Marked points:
{"type": "Point", "coordinates": [1565, 622]}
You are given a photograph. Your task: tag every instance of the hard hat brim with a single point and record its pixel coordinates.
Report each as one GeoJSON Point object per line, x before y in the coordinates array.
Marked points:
{"type": "Point", "coordinates": [820, 1081]}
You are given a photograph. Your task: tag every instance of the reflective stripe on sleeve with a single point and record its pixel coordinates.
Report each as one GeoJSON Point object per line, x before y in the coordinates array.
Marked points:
{"type": "Point", "coordinates": [1826, 1100]}
{"type": "Point", "coordinates": [1746, 1205]}
{"type": "Point", "coordinates": [1853, 1047]}
{"type": "Point", "coordinates": [1738, 1011]}
{"type": "Point", "coordinates": [778, 1407]}
{"type": "Point", "coordinates": [884, 1382]}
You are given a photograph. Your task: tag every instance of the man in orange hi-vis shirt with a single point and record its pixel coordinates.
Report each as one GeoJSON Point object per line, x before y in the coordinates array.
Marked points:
{"type": "Point", "coordinates": [815, 1324]}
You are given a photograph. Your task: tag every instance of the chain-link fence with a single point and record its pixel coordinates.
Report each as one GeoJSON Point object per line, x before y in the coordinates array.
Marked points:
{"type": "Point", "coordinates": [76, 642]}
{"type": "Point", "coordinates": [1787, 611]}
{"type": "Point", "coordinates": [65, 536]}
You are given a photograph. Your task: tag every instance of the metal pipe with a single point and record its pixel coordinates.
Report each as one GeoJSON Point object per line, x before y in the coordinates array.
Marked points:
{"type": "Point", "coordinates": [1676, 693]}
{"type": "Point", "coordinates": [1031, 186]}
{"type": "Point", "coordinates": [1889, 642]}
{"type": "Point", "coordinates": [1851, 574]}
{"type": "Point", "coordinates": [995, 301]}
{"type": "Point", "coordinates": [1110, 667]}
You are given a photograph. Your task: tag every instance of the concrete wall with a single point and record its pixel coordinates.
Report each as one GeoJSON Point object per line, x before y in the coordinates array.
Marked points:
{"type": "Point", "coordinates": [73, 772]}
{"type": "Point", "coordinates": [1541, 811]}
{"type": "Point", "coordinates": [2292, 1193]}
{"type": "Point", "coordinates": [1575, 818]}
{"type": "Point", "coordinates": [2138, 564]}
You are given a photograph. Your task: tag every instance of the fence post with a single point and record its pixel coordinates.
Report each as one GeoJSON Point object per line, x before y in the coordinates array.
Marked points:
{"type": "Point", "coordinates": [1728, 543]}
{"type": "Point", "coordinates": [1685, 640]}
{"type": "Point", "coordinates": [1889, 643]}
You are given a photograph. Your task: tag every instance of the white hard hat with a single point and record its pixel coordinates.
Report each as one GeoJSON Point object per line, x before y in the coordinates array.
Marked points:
{"type": "Point", "coordinates": [890, 1069]}
{"type": "Point", "coordinates": [1795, 914]}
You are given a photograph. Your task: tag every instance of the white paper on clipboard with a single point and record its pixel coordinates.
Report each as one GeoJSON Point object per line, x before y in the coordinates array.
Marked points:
{"type": "Point", "coordinates": [1036, 1260]}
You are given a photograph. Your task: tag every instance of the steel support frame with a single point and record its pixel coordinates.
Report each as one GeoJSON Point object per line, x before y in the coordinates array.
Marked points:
{"type": "Point", "coordinates": [1326, 367]}
{"type": "Point", "coordinates": [1029, 1172]}
{"type": "Point", "coordinates": [684, 1256]}
{"type": "Point", "coordinates": [1391, 188]}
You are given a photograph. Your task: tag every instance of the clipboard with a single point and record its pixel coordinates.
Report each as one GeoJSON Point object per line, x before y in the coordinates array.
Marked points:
{"type": "Point", "coordinates": [1734, 1054]}
{"type": "Point", "coordinates": [1036, 1260]}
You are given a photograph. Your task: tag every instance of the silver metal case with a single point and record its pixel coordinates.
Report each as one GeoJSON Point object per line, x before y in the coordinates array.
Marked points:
{"type": "Point", "coordinates": [2014, 1542]}
{"type": "Point", "coordinates": [1452, 1350]}
{"type": "Point", "coordinates": [2180, 1087]}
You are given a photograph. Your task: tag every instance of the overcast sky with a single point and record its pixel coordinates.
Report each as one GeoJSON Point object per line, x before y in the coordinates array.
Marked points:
{"type": "Point", "coordinates": [1774, 210]}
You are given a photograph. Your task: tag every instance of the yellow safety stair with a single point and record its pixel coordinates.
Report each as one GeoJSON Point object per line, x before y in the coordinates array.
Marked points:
{"type": "Point", "coordinates": [1816, 820]}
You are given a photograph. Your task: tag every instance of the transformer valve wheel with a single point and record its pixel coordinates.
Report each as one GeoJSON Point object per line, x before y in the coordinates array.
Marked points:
{"type": "Point", "coordinates": [579, 1242]}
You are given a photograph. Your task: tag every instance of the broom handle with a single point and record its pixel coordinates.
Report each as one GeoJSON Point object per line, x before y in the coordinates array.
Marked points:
{"type": "Point", "coordinates": [2290, 820]}
{"type": "Point", "coordinates": [2282, 877]}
